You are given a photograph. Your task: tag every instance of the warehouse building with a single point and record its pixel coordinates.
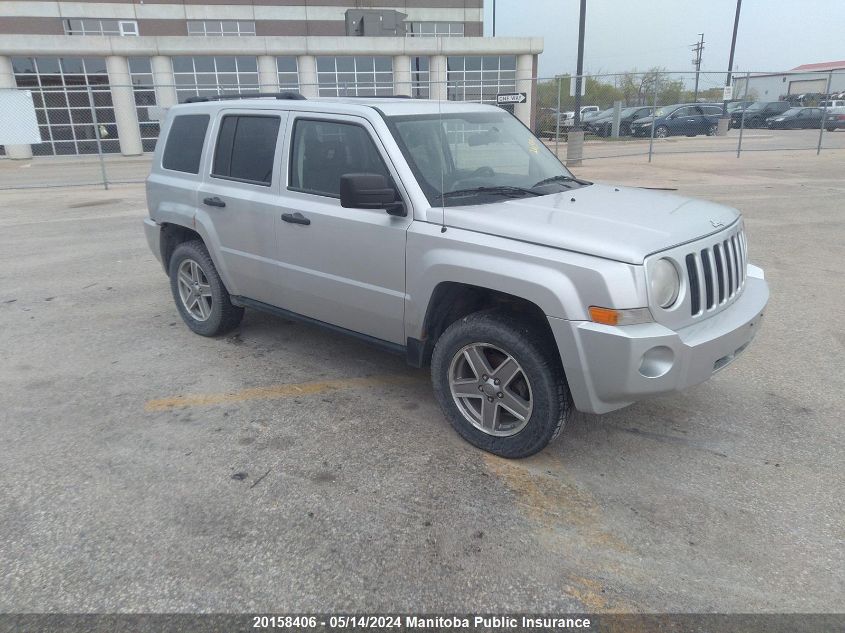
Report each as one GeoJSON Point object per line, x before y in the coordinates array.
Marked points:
{"type": "Point", "coordinates": [103, 72]}
{"type": "Point", "coordinates": [804, 79]}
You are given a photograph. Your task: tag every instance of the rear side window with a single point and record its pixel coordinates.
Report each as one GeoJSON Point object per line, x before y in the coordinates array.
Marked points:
{"type": "Point", "coordinates": [184, 143]}
{"type": "Point", "coordinates": [245, 149]}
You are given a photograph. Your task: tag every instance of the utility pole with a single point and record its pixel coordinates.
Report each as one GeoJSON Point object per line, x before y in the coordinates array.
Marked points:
{"type": "Point", "coordinates": [697, 49]}
{"type": "Point", "coordinates": [731, 58]}
{"type": "Point", "coordinates": [579, 72]}
{"type": "Point", "coordinates": [494, 18]}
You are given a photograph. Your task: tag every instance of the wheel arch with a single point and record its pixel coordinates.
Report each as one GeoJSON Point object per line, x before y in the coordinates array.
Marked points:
{"type": "Point", "coordinates": [175, 233]}
{"type": "Point", "coordinates": [451, 301]}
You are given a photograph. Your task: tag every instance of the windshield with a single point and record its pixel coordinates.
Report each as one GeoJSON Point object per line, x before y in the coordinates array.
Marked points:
{"type": "Point", "coordinates": [792, 112]}
{"type": "Point", "coordinates": [477, 158]}
{"type": "Point", "coordinates": [755, 106]}
{"type": "Point", "coordinates": [632, 111]}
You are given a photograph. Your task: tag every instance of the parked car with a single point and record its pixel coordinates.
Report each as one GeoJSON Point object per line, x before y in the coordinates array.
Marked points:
{"type": "Point", "coordinates": [446, 233]}
{"type": "Point", "coordinates": [604, 126]}
{"type": "Point", "coordinates": [737, 106]}
{"type": "Point", "coordinates": [832, 103]}
{"type": "Point", "coordinates": [796, 119]}
{"type": "Point", "coordinates": [568, 118]}
{"type": "Point", "coordinates": [689, 119]}
{"type": "Point", "coordinates": [758, 113]}
{"type": "Point", "coordinates": [835, 118]}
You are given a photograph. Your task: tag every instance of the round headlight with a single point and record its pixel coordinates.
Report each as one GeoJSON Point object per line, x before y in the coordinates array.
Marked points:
{"type": "Point", "coordinates": [665, 283]}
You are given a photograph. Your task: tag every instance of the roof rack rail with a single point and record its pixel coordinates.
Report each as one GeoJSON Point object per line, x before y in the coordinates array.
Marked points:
{"type": "Point", "coordinates": [375, 97]}
{"type": "Point", "coordinates": [290, 94]}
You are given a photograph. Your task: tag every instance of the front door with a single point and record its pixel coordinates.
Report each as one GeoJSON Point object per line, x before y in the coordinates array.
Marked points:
{"type": "Point", "coordinates": [343, 266]}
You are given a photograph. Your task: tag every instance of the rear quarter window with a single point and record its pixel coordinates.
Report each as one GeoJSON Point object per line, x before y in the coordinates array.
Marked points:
{"type": "Point", "coordinates": [183, 149]}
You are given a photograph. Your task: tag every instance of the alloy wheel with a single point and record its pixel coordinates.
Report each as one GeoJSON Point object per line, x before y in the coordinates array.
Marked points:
{"type": "Point", "coordinates": [490, 389]}
{"type": "Point", "coordinates": [194, 290]}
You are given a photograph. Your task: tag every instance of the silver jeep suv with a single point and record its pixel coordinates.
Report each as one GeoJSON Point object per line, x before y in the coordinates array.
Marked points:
{"type": "Point", "coordinates": [449, 233]}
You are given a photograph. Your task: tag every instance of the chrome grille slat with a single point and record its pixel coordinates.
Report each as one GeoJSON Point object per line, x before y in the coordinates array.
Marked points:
{"type": "Point", "coordinates": [732, 267]}
{"type": "Point", "coordinates": [702, 291]}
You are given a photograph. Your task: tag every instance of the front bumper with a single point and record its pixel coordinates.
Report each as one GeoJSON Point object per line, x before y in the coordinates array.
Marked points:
{"type": "Point", "coordinates": [608, 367]}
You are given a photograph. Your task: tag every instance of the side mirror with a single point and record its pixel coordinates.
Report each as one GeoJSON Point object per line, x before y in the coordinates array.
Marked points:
{"type": "Point", "coordinates": [370, 191]}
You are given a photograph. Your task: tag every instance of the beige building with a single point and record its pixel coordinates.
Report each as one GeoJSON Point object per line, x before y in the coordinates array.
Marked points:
{"type": "Point", "coordinates": [107, 69]}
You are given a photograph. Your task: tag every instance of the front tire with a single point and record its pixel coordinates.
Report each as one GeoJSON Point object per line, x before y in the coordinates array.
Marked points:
{"type": "Point", "coordinates": [499, 385]}
{"type": "Point", "coordinates": [201, 298]}
{"type": "Point", "coordinates": [661, 131]}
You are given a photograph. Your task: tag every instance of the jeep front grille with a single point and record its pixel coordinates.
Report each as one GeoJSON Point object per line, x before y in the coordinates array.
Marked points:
{"type": "Point", "coordinates": [716, 273]}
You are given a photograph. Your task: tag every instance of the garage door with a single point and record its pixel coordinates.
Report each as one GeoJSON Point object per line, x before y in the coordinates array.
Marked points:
{"type": "Point", "coordinates": [807, 85]}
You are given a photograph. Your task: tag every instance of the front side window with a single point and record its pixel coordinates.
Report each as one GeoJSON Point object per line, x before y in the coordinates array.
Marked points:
{"type": "Point", "coordinates": [184, 143]}
{"type": "Point", "coordinates": [245, 148]}
{"type": "Point", "coordinates": [476, 158]}
{"type": "Point", "coordinates": [323, 151]}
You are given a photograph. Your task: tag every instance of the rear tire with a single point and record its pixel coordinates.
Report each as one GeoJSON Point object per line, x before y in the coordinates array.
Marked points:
{"type": "Point", "coordinates": [201, 298]}
{"type": "Point", "coordinates": [713, 129]}
{"type": "Point", "coordinates": [531, 382]}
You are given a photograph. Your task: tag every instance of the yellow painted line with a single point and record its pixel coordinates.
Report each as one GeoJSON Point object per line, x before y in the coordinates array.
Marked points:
{"type": "Point", "coordinates": [275, 392]}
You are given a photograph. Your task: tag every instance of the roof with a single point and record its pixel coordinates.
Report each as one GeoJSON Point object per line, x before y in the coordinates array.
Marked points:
{"type": "Point", "coordinates": [840, 65]}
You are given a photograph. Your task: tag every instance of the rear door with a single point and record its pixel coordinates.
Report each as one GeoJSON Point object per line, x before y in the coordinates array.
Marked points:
{"type": "Point", "coordinates": [240, 194]}
{"type": "Point", "coordinates": [343, 266]}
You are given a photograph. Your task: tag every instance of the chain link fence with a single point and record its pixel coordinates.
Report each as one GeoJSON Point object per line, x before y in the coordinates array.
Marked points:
{"type": "Point", "coordinates": [102, 134]}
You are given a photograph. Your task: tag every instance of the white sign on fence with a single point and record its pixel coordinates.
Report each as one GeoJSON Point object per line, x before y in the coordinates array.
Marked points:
{"type": "Point", "coordinates": [728, 94]}
{"type": "Point", "coordinates": [18, 125]}
{"type": "Point", "coordinates": [573, 81]}
{"type": "Point", "coordinates": [511, 97]}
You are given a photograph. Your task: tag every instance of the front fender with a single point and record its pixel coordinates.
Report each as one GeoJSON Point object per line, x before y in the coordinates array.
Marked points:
{"type": "Point", "coordinates": [562, 284]}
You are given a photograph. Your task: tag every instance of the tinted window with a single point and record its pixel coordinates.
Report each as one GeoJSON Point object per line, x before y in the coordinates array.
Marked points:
{"type": "Point", "coordinates": [184, 143]}
{"type": "Point", "coordinates": [323, 151]}
{"type": "Point", "coordinates": [245, 148]}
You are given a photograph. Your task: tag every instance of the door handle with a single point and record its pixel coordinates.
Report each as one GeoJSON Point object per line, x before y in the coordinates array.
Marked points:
{"type": "Point", "coordinates": [214, 202]}
{"type": "Point", "coordinates": [296, 218]}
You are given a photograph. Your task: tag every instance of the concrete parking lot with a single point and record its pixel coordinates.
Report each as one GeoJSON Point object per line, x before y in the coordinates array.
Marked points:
{"type": "Point", "coordinates": [284, 468]}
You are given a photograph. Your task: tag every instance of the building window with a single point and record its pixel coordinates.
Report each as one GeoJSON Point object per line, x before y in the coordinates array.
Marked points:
{"type": "Point", "coordinates": [355, 76]}
{"type": "Point", "coordinates": [221, 28]}
{"type": "Point", "coordinates": [146, 107]}
{"type": "Point", "coordinates": [87, 26]}
{"type": "Point", "coordinates": [435, 29]}
{"type": "Point", "coordinates": [210, 75]}
{"type": "Point", "coordinates": [63, 104]}
{"type": "Point", "coordinates": [480, 79]}
{"type": "Point", "coordinates": [420, 78]}
{"type": "Point", "coordinates": [288, 73]}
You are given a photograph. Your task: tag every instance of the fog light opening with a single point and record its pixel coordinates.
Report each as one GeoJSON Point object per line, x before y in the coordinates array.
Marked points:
{"type": "Point", "coordinates": [657, 362]}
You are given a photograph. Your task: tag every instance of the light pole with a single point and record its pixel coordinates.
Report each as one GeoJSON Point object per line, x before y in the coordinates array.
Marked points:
{"type": "Point", "coordinates": [579, 71]}
{"type": "Point", "coordinates": [731, 58]}
{"type": "Point", "coordinates": [494, 18]}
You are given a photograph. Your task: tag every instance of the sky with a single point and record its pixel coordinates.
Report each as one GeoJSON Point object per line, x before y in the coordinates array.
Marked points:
{"type": "Point", "coordinates": [621, 35]}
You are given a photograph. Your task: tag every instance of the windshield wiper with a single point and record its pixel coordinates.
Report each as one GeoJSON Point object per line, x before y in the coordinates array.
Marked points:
{"type": "Point", "coordinates": [502, 190]}
{"type": "Point", "coordinates": [560, 178]}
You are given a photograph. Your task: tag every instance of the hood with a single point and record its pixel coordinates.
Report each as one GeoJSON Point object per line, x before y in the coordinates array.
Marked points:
{"type": "Point", "coordinates": [619, 223]}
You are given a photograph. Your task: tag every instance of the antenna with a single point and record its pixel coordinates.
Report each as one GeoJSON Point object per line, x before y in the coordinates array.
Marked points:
{"type": "Point", "coordinates": [442, 175]}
